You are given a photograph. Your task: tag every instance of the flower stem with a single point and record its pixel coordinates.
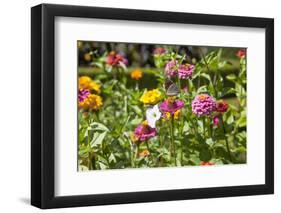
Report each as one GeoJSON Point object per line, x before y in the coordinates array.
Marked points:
{"type": "Point", "coordinates": [204, 128]}
{"type": "Point", "coordinates": [172, 139]}
{"type": "Point", "coordinates": [179, 85]}
{"type": "Point", "coordinates": [89, 154]}
{"type": "Point", "coordinates": [136, 155]}
{"type": "Point", "coordinates": [147, 146]}
{"type": "Point", "coordinates": [226, 141]}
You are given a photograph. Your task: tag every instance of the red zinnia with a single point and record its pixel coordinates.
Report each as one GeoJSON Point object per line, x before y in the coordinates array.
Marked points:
{"type": "Point", "coordinates": [241, 53]}
{"type": "Point", "coordinates": [114, 59]}
{"type": "Point", "coordinates": [206, 163]}
{"type": "Point", "coordinates": [222, 106]}
{"type": "Point", "coordinates": [159, 51]}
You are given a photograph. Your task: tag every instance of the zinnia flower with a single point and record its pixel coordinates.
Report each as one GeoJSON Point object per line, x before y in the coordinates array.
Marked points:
{"type": "Point", "coordinates": [136, 74]}
{"type": "Point", "coordinates": [151, 97]}
{"type": "Point", "coordinates": [159, 51]}
{"type": "Point", "coordinates": [203, 105]}
{"type": "Point", "coordinates": [153, 115]}
{"type": "Point", "coordinates": [207, 163]}
{"type": "Point", "coordinates": [92, 102]}
{"type": "Point", "coordinates": [85, 82]}
{"type": "Point", "coordinates": [241, 53]}
{"type": "Point", "coordinates": [83, 94]}
{"type": "Point", "coordinates": [144, 153]}
{"type": "Point", "coordinates": [222, 106]}
{"type": "Point", "coordinates": [115, 59]}
{"type": "Point", "coordinates": [170, 105]}
{"type": "Point", "coordinates": [216, 121]}
{"type": "Point", "coordinates": [185, 71]}
{"type": "Point", "coordinates": [171, 68]}
{"type": "Point", "coordinates": [144, 132]}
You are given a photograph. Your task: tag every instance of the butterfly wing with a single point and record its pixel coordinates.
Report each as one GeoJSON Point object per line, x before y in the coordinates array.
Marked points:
{"type": "Point", "coordinates": [173, 90]}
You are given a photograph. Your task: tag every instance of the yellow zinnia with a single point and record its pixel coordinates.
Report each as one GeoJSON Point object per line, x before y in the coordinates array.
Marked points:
{"type": "Point", "coordinates": [85, 82]}
{"type": "Point", "coordinates": [136, 74]}
{"type": "Point", "coordinates": [151, 97]}
{"type": "Point", "coordinates": [93, 102]}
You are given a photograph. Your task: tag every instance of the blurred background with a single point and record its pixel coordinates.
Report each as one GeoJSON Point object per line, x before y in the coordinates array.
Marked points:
{"type": "Point", "coordinates": [141, 55]}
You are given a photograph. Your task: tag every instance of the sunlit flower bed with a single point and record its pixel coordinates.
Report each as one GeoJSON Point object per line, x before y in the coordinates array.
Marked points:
{"type": "Point", "coordinates": [190, 117]}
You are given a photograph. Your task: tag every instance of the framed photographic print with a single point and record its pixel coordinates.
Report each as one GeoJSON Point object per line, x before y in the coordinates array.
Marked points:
{"type": "Point", "coordinates": [140, 106]}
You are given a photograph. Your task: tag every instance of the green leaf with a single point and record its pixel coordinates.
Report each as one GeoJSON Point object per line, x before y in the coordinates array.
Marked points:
{"type": "Point", "coordinates": [112, 158]}
{"type": "Point", "coordinates": [202, 89]}
{"type": "Point", "coordinates": [230, 119]}
{"type": "Point", "coordinates": [205, 154]}
{"type": "Point", "coordinates": [97, 138]}
{"type": "Point", "coordinates": [102, 166]}
{"type": "Point", "coordinates": [227, 91]}
{"type": "Point", "coordinates": [231, 77]}
{"type": "Point", "coordinates": [98, 131]}
{"type": "Point", "coordinates": [98, 126]}
{"type": "Point", "coordinates": [242, 121]}
{"type": "Point", "coordinates": [209, 141]}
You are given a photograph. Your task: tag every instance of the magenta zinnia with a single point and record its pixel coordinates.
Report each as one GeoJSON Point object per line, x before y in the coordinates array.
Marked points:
{"type": "Point", "coordinates": [203, 105]}
{"type": "Point", "coordinates": [216, 121]}
{"type": "Point", "coordinates": [185, 71]}
{"type": "Point", "coordinates": [83, 94]}
{"type": "Point", "coordinates": [171, 68]}
{"type": "Point", "coordinates": [144, 132]}
{"type": "Point", "coordinates": [170, 105]}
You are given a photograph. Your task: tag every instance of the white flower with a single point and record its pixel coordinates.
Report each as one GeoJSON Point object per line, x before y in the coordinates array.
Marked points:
{"type": "Point", "coordinates": [152, 115]}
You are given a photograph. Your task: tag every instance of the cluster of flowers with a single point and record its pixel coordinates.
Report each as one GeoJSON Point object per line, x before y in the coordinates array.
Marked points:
{"type": "Point", "coordinates": [183, 71]}
{"type": "Point", "coordinates": [205, 105]}
{"type": "Point", "coordinates": [202, 105]}
{"type": "Point", "coordinates": [88, 97]}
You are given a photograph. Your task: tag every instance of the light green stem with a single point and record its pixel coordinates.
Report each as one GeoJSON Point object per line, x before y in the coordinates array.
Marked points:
{"type": "Point", "coordinates": [172, 139]}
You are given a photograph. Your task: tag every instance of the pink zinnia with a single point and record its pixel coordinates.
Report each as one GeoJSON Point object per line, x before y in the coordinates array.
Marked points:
{"type": "Point", "coordinates": [171, 68]}
{"type": "Point", "coordinates": [83, 94]}
{"type": "Point", "coordinates": [171, 105]}
{"type": "Point", "coordinates": [185, 71]}
{"type": "Point", "coordinates": [144, 132]}
{"type": "Point", "coordinates": [216, 121]}
{"type": "Point", "coordinates": [203, 105]}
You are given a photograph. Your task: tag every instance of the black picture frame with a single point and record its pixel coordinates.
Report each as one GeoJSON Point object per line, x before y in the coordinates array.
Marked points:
{"type": "Point", "coordinates": [43, 102]}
